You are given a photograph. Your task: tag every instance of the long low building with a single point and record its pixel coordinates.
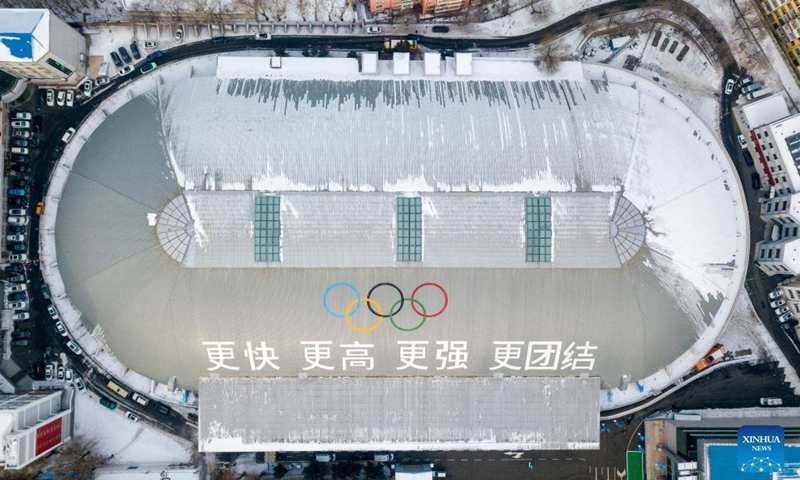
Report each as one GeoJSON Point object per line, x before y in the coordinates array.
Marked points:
{"type": "Point", "coordinates": [352, 414]}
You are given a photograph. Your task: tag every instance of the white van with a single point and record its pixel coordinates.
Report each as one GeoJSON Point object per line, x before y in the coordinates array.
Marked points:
{"type": "Point", "coordinates": [383, 457]}
{"type": "Point", "coordinates": [140, 399]}
{"type": "Point", "coordinates": [758, 94]}
{"type": "Point", "coordinates": [17, 220]}
{"type": "Point", "coordinates": [325, 457]}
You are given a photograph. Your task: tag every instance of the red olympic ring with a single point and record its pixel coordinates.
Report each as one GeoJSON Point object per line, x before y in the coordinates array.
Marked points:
{"type": "Point", "coordinates": [429, 284]}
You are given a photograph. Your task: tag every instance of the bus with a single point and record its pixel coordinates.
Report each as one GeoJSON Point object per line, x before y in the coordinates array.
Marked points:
{"type": "Point", "coordinates": [117, 389]}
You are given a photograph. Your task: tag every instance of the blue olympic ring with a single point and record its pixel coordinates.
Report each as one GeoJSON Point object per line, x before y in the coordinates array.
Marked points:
{"type": "Point", "coordinates": [340, 284]}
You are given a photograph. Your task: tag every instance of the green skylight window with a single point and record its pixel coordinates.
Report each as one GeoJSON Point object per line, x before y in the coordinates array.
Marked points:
{"type": "Point", "coordinates": [409, 229]}
{"type": "Point", "coordinates": [268, 229]}
{"type": "Point", "coordinates": [538, 229]}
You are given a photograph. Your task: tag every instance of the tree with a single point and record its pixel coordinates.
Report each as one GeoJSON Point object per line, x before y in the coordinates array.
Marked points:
{"type": "Point", "coordinates": [551, 54]}
{"type": "Point", "coordinates": [402, 46]}
{"type": "Point", "coordinates": [323, 51]}
{"type": "Point", "coordinates": [76, 460]}
{"type": "Point", "coordinates": [352, 54]}
{"type": "Point", "coordinates": [315, 471]}
{"type": "Point", "coordinates": [306, 51]}
{"type": "Point", "coordinates": [374, 471]}
{"type": "Point", "coordinates": [280, 471]}
{"type": "Point", "coordinates": [348, 470]}
{"type": "Point", "coordinates": [281, 52]}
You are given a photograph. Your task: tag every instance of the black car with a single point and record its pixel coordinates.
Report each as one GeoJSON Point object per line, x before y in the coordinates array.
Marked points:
{"type": "Point", "coordinates": [440, 29]}
{"type": "Point", "coordinates": [115, 58]}
{"type": "Point", "coordinates": [15, 297]}
{"type": "Point", "coordinates": [414, 36]}
{"type": "Point", "coordinates": [163, 408]}
{"type": "Point", "coordinates": [21, 168]}
{"type": "Point", "coordinates": [135, 51]}
{"type": "Point", "coordinates": [19, 142]}
{"type": "Point", "coordinates": [748, 159]}
{"type": "Point", "coordinates": [17, 279]}
{"type": "Point", "coordinates": [756, 181]}
{"type": "Point", "coordinates": [789, 324]}
{"type": "Point", "coordinates": [124, 54]}
{"type": "Point", "coordinates": [18, 183]}
{"type": "Point", "coordinates": [15, 229]}
{"type": "Point", "coordinates": [155, 55]}
{"type": "Point", "coordinates": [20, 159]}
{"type": "Point", "coordinates": [18, 201]}
{"type": "Point", "coordinates": [15, 268]}
{"type": "Point", "coordinates": [219, 40]}
{"type": "Point", "coordinates": [18, 335]}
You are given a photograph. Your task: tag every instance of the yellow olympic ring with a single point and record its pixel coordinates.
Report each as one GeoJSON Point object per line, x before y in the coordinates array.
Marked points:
{"type": "Point", "coordinates": [353, 304]}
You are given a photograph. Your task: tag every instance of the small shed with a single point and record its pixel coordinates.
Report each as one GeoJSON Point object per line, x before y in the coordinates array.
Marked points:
{"type": "Point", "coordinates": [401, 63]}
{"type": "Point", "coordinates": [463, 64]}
{"type": "Point", "coordinates": [433, 63]}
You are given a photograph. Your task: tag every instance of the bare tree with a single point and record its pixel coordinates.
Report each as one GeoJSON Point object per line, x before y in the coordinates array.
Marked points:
{"type": "Point", "coordinates": [256, 8]}
{"type": "Point", "coordinates": [551, 54]}
{"type": "Point", "coordinates": [77, 459]}
{"type": "Point", "coordinates": [317, 6]}
{"type": "Point", "coordinates": [542, 8]}
{"type": "Point", "coordinates": [301, 6]}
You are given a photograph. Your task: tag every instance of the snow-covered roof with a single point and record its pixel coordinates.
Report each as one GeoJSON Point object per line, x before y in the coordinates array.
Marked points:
{"type": "Point", "coordinates": [413, 472]}
{"type": "Point", "coordinates": [463, 64]}
{"type": "Point", "coordinates": [24, 34]}
{"type": "Point", "coordinates": [763, 111]}
{"type": "Point", "coordinates": [618, 42]}
{"type": "Point", "coordinates": [571, 139]}
{"type": "Point", "coordinates": [356, 414]}
{"type": "Point", "coordinates": [433, 63]}
{"type": "Point", "coordinates": [369, 62]}
{"type": "Point", "coordinates": [145, 471]}
{"type": "Point", "coordinates": [400, 62]}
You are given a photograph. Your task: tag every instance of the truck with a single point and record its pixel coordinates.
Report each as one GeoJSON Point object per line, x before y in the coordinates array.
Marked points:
{"type": "Point", "coordinates": [715, 355]}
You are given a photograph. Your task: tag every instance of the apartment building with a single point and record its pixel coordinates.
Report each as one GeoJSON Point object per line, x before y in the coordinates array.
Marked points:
{"type": "Point", "coordinates": [425, 7]}
{"type": "Point", "coordinates": [777, 153]}
{"type": "Point", "coordinates": [782, 18]}
{"type": "Point", "coordinates": [32, 425]}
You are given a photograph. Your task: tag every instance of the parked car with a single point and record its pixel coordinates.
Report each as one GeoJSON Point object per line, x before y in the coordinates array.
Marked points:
{"type": "Point", "coordinates": [20, 159]}
{"type": "Point", "coordinates": [117, 61]}
{"type": "Point", "coordinates": [62, 329]}
{"type": "Point", "coordinates": [325, 457]}
{"type": "Point", "coordinates": [18, 317]}
{"type": "Point", "coordinates": [20, 150]}
{"type": "Point", "coordinates": [21, 169]}
{"type": "Point", "coordinates": [18, 305]}
{"type": "Point", "coordinates": [51, 309]}
{"type": "Point", "coordinates": [48, 371]}
{"type": "Point", "coordinates": [19, 287]}
{"type": "Point", "coordinates": [20, 343]}
{"type": "Point", "coordinates": [39, 208]}
{"type": "Point", "coordinates": [150, 44]}
{"type": "Point", "coordinates": [20, 124]}
{"type": "Point", "coordinates": [17, 257]}
{"type": "Point", "coordinates": [74, 347]}
{"type": "Point", "coordinates": [781, 310]}
{"type": "Point", "coordinates": [751, 88]}
{"type": "Point", "coordinates": [60, 373]}
{"type": "Point", "coordinates": [18, 220]}
{"type": "Point", "coordinates": [18, 297]}
{"type": "Point", "coordinates": [262, 36]}
{"type": "Point", "coordinates": [715, 355]}
{"type": "Point", "coordinates": [18, 335]}
{"type": "Point", "coordinates": [148, 67]}
{"type": "Point", "coordinates": [21, 134]}
{"type": "Point", "coordinates": [18, 201]}
{"type": "Point", "coordinates": [155, 55]}
{"type": "Point", "coordinates": [755, 180]}
{"type": "Point", "coordinates": [179, 36]}
{"type": "Point", "coordinates": [132, 417]}
{"type": "Point", "coordinates": [17, 278]}
{"type": "Point", "coordinates": [17, 211]}
{"type": "Point", "coordinates": [15, 267]}
{"type": "Point", "coordinates": [87, 87]}
{"type": "Point", "coordinates": [79, 384]}
{"type": "Point", "coordinates": [125, 70]}
{"type": "Point", "coordinates": [746, 80]}
{"type": "Point", "coordinates": [51, 97]}
{"type": "Point", "coordinates": [17, 247]}
{"type": "Point", "coordinates": [785, 317]}
{"type": "Point", "coordinates": [70, 98]}
{"type": "Point", "coordinates": [777, 303]}
{"type": "Point", "coordinates": [16, 192]}
{"type": "Point", "coordinates": [440, 29]}
{"type": "Point", "coordinates": [45, 292]}
{"type": "Point", "coordinates": [789, 324]}
{"type": "Point", "coordinates": [102, 81]}
{"type": "Point", "coordinates": [219, 40]}
{"type": "Point", "coordinates": [770, 402]}
{"type": "Point", "coordinates": [19, 142]}
{"type": "Point", "coordinates": [108, 403]}
{"type": "Point", "coordinates": [729, 86]}
{"type": "Point", "coordinates": [68, 375]}
{"type": "Point", "coordinates": [68, 135]}
{"type": "Point", "coordinates": [135, 51]}
{"type": "Point", "coordinates": [23, 116]}
{"type": "Point", "coordinates": [373, 29]}
{"type": "Point", "coordinates": [124, 54]}
{"type": "Point", "coordinates": [163, 408]}
{"type": "Point", "coordinates": [61, 98]}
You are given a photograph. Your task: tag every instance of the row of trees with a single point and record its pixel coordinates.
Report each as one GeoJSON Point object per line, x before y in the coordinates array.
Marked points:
{"type": "Point", "coordinates": [76, 460]}
{"type": "Point", "coordinates": [340, 471]}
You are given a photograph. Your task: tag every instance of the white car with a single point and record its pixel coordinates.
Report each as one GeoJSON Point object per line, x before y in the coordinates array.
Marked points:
{"type": "Point", "coordinates": [51, 97]}
{"type": "Point", "coordinates": [51, 309]}
{"type": "Point", "coordinates": [74, 347]}
{"type": "Point", "coordinates": [20, 150]}
{"type": "Point", "coordinates": [102, 81]}
{"type": "Point", "coordinates": [373, 29]}
{"type": "Point", "coordinates": [62, 330]}
{"type": "Point", "coordinates": [150, 44]}
{"type": "Point", "coordinates": [18, 257]}
{"type": "Point", "coordinates": [17, 220]}
{"type": "Point", "coordinates": [262, 36]}
{"type": "Point", "coordinates": [61, 98]}
{"type": "Point", "coordinates": [48, 371]}
{"type": "Point", "coordinates": [132, 417]}
{"type": "Point", "coordinates": [23, 116]}
{"type": "Point", "coordinates": [17, 212]}
{"type": "Point", "coordinates": [777, 303]}
{"type": "Point", "coordinates": [785, 317]}
{"type": "Point", "coordinates": [729, 86]}
{"type": "Point", "coordinates": [15, 238]}
{"type": "Point", "coordinates": [125, 70]}
{"type": "Point", "coordinates": [70, 98]}
{"type": "Point", "coordinates": [19, 287]}
{"type": "Point", "coordinates": [781, 310]}
{"type": "Point", "coordinates": [770, 402]}
{"type": "Point", "coordinates": [774, 294]}
{"type": "Point", "coordinates": [60, 373]}
{"type": "Point", "coordinates": [79, 384]}
{"type": "Point", "coordinates": [742, 141]}
{"type": "Point", "coordinates": [21, 316]}
{"type": "Point", "coordinates": [20, 124]}
{"type": "Point", "coordinates": [87, 88]}
{"type": "Point", "coordinates": [68, 135]}
{"type": "Point", "coordinates": [68, 375]}
{"type": "Point", "coordinates": [179, 36]}
{"type": "Point", "coordinates": [18, 305]}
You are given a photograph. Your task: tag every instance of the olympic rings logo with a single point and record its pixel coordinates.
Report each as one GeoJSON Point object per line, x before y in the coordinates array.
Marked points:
{"type": "Point", "coordinates": [377, 309]}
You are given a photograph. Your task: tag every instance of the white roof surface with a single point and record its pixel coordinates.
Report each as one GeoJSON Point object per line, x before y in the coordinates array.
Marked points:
{"type": "Point", "coordinates": [24, 34]}
{"type": "Point", "coordinates": [763, 111]}
{"type": "Point", "coordinates": [400, 62]}
{"type": "Point", "coordinates": [463, 64]}
{"type": "Point", "coordinates": [433, 63]}
{"type": "Point", "coordinates": [369, 62]}
{"type": "Point", "coordinates": [400, 414]}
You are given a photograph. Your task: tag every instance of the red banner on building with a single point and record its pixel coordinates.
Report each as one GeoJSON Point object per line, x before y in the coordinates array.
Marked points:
{"type": "Point", "coordinates": [48, 436]}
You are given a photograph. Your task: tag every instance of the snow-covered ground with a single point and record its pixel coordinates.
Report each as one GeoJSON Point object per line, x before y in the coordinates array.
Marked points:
{"type": "Point", "coordinates": [127, 441]}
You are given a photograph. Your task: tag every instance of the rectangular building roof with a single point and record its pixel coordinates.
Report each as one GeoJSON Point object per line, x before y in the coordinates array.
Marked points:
{"type": "Point", "coordinates": [369, 62]}
{"type": "Point", "coordinates": [433, 63]}
{"type": "Point", "coordinates": [24, 34]}
{"type": "Point", "coordinates": [463, 64]}
{"type": "Point", "coordinates": [401, 63]}
{"type": "Point", "coordinates": [418, 413]}
{"type": "Point", "coordinates": [763, 111]}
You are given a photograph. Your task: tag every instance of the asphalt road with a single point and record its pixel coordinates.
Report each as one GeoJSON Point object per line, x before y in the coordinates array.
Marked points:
{"type": "Point", "coordinates": [602, 464]}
